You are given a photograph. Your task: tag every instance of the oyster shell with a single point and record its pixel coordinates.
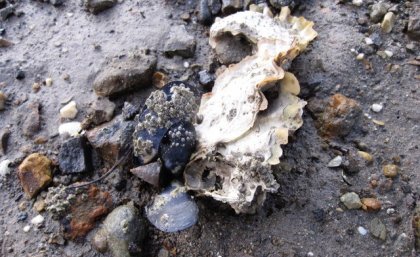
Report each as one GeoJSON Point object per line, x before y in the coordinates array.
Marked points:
{"type": "Point", "coordinates": [241, 130]}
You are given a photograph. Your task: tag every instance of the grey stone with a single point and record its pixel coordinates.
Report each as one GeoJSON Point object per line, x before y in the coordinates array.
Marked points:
{"type": "Point", "coordinates": [378, 11]}
{"type": "Point", "coordinates": [378, 229]}
{"type": "Point", "coordinates": [179, 42]}
{"type": "Point", "coordinates": [74, 156]}
{"type": "Point", "coordinates": [205, 78]}
{"type": "Point", "coordinates": [57, 2]}
{"type": "Point", "coordinates": [124, 75]}
{"type": "Point", "coordinates": [351, 200]}
{"type": "Point", "coordinates": [3, 99]}
{"type": "Point", "coordinates": [335, 162]}
{"type": "Point", "coordinates": [215, 6]}
{"type": "Point", "coordinates": [413, 28]}
{"type": "Point", "coordinates": [231, 6]}
{"type": "Point", "coordinates": [98, 6]}
{"type": "Point", "coordinates": [102, 110]}
{"type": "Point", "coordinates": [122, 232]}
{"type": "Point", "coordinates": [204, 14]}
{"type": "Point", "coordinates": [129, 111]}
{"type": "Point", "coordinates": [404, 243]}
{"type": "Point", "coordinates": [31, 119]}
{"type": "Point", "coordinates": [6, 12]}
{"type": "Point", "coordinates": [231, 49]}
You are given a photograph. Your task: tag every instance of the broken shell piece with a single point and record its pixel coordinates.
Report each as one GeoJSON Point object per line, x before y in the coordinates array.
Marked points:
{"type": "Point", "coordinates": [172, 210]}
{"type": "Point", "coordinates": [250, 112]}
{"type": "Point", "coordinates": [149, 172]}
{"type": "Point", "coordinates": [176, 102]}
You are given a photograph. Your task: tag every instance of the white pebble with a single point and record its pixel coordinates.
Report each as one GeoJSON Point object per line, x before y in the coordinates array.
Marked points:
{"type": "Point", "coordinates": [388, 53]}
{"type": "Point", "coordinates": [357, 2]}
{"type": "Point", "coordinates": [26, 228]}
{"type": "Point", "coordinates": [4, 168]}
{"type": "Point", "coordinates": [336, 162]}
{"type": "Point", "coordinates": [310, 254]}
{"type": "Point", "coordinates": [368, 41]}
{"type": "Point", "coordinates": [69, 111]}
{"type": "Point", "coordinates": [376, 107]}
{"type": "Point", "coordinates": [37, 220]}
{"type": "Point", "coordinates": [71, 128]}
{"type": "Point", "coordinates": [390, 211]}
{"type": "Point", "coordinates": [362, 230]}
{"type": "Point", "coordinates": [186, 64]}
{"type": "Point", "coordinates": [48, 82]}
{"type": "Point", "coordinates": [360, 56]}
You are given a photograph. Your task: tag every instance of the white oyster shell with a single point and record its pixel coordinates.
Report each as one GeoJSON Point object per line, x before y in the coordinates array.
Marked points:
{"type": "Point", "coordinates": [241, 131]}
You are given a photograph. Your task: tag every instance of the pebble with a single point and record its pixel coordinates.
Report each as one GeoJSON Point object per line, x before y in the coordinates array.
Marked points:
{"type": "Point", "coordinates": [69, 111]}
{"type": "Point", "coordinates": [102, 110]}
{"type": "Point", "coordinates": [371, 204]}
{"type": "Point", "coordinates": [204, 13]}
{"type": "Point", "coordinates": [26, 228]}
{"type": "Point", "coordinates": [376, 107]}
{"type": "Point", "coordinates": [357, 2]}
{"type": "Point", "coordinates": [205, 78]}
{"type": "Point", "coordinates": [37, 220]}
{"type": "Point", "coordinates": [366, 156]}
{"type": "Point", "coordinates": [159, 79]}
{"type": "Point", "coordinates": [368, 41]}
{"type": "Point", "coordinates": [390, 211]}
{"type": "Point", "coordinates": [378, 229]}
{"type": "Point", "coordinates": [388, 22]}
{"type": "Point", "coordinates": [336, 162]}
{"type": "Point", "coordinates": [4, 168]}
{"type": "Point", "coordinates": [129, 111]}
{"type": "Point", "coordinates": [390, 170]}
{"type": "Point", "coordinates": [351, 200]}
{"type": "Point", "coordinates": [388, 53]}
{"type": "Point", "coordinates": [5, 43]}
{"type": "Point", "coordinates": [360, 56]}
{"type": "Point", "coordinates": [215, 6]}
{"type": "Point", "coordinates": [71, 128]}
{"type": "Point", "coordinates": [231, 6]}
{"type": "Point", "coordinates": [48, 82]}
{"type": "Point", "coordinates": [35, 174]}
{"type": "Point", "coordinates": [3, 99]}
{"type": "Point", "coordinates": [22, 216]}
{"type": "Point", "coordinates": [73, 156]}
{"type": "Point", "coordinates": [362, 230]}
{"type": "Point", "coordinates": [413, 27]}
{"type": "Point", "coordinates": [98, 6]}
{"type": "Point", "coordinates": [36, 87]}
{"type": "Point", "coordinates": [39, 205]}
{"type": "Point", "coordinates": [179, 42]}
{"type": "Point", "coordinates": [378, 11]}
{"type": "Point", "coordinates": [31, 117]}
{"type": "Point", "coordinates": [20, 75]}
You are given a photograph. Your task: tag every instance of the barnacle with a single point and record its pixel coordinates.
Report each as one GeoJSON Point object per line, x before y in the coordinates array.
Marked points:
{"type": "Point", "coordinates": [250, 112]}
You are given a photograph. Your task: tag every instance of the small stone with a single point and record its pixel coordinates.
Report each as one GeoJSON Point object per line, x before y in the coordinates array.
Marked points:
{"type": "Point", "coordinates": [22, 216]}
{"type": "Point", "coordinates": [378, 229]}
{"type": "Point", "coordinates": [123, 75]}
{"type": "Point", "coordinates": [26, 228]}
{"type": "Point", "coordinates": [3, 99]}
{"type": "Point", "coordinates": [37, 220]}
{"type": "Point", "coordinates": [185, 17]}
{"type": "Point", "coordinates": [362, 231]}
{"type": "Point", "coordinates": [35, 173]}
{"type": "Point", "coordinates": [36, 87]}
{"type": "Point", "coordinates": [204, 13]}
{"type": "Point", "coordinates": [357, 2]}
{"type": "Point", "coordinates": [48, 82]}
{"type": "Point", "coordinates": [368, 41]}
{"type": "Point", "coordinates": [4, 168]}
{"type": "Point", "coordinates": [69, 111]}
{"type": "Point", "coordinates": [388, 53]}
{"type": "Point", "coordinates": [376, 107]}
{"type": "Point", "coordinates": [205, 78]}
{"type": "Point", "coordinates": [112, 138]}
{"type": "Point", "coordinates": [351, 200]}
{"type": "Point", "coordinates": [215, 6]}
{"type": "Point", "coordinates": [39, 140]}
{"type": "Point", "coordinates": [366, 156]}
{"type": "Point", "coordinates": [353, 163]}
{"type": "Point", "coordinates": [70, 128]}
{"type": "Point", "coordinates": [179, 42]}
{"type": "Point", "coordinates": [378, 11]}
{"type": "Point", "coordinates": [39, 205]}
{"type": "Point", "coordinates": [390, 211]}
{"type": "Point", "coordinates": [378, 122]}
{"type": "Point", "coordinates": [371, 204]}
{"type": "Point", "coordinates": [280, 3]}
{"type": "Point", "coordinates": [413, 27]}
{"type": "Point", "coordinates": [98, 6]}
{"type": "Point", "coordinates": [20, 75]}
{"type": "Point", "coordinates": [335, 162]}
{"type": "Point", "coordinates": [388, 22]}
{"type": "Point", "coordinates": [360, 57]}
{"type": "Point", "coordinates": [57, 2]}
{"type": "Point", "coordinates": [31, 119]}
{"type": "Point", "coordinates": [403, 244]}
{"type": "Point", "coordinates": [7, 12]}
{"type": "Point", "coordinates": [22, 206]}
{"type": "Point", "coordinates": [149, 172]}
{"type": "Point", "coordinates": [129, 111]}
{"type": "Point", "coordinates": [101, 111]}
{"type": "Point", "coordinates": [159, 79]}
{"type": "Point", "coordinates": [5, 42]}
{"type": "Point", "coordinates": [74, 156]}
{"type": "Point", "coordinates": [390, 170]}
{"type": "Point", "coordinates": [231, 6]}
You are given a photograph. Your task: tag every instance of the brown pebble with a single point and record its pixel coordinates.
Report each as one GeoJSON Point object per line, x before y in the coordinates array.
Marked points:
{"type": "Point", "coordinates": [39, 205]}
{"type": "Point", "coordinates": [22, 206]}
{"type": "Point", "coordinates": [385, 186]}
{"type": "Point", "coordinates": [35, 174]}
{"type": "Point", "coordinates": [185, 16]}
{"type": "Point", "coordinates": [159, 79]}
{"type": "Point", "coordinates": [36, 87]}
{"type": "Point", "coordinates": [366, 156]}
{"type": "Point", "coordinates": [371, 204]}
{"type": "Point", "coordinates": [390, 170]}
{"type": "Point", "coordinates": [39, 140]}
{"type": "Point", "coordinates": [374, 183]}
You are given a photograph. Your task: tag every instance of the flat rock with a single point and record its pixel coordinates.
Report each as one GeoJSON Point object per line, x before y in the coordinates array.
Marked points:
{"type": "Point", "coordinates": [98, 6]}
{"type": "Point", "coordinates": [120, 76]}
{"type": "Point", "coordinates": [74, 156]}
{"type": "Point", "coordinates": [35, 173]}
{"type": "Point", "coordinates": [378, 229]}
{"type": "Point", "coordinates": [179, 42]}
{"type": "Point", "coordinates": [112, 138]}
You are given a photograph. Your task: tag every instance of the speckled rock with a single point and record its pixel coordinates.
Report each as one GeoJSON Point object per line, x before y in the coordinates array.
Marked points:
{"type": "Point", "coordinates": [35, 174]}
{"type": "Point", "coordinates": [179, 42]}
{"type": "Point", "coordinates": [123, 75]}
{"type": "Point", "coordinates": [378, 229]}
{"type": "Point", "coordinates": [122, 232]}
{"type": "Point", "coordinates": [74, 156]}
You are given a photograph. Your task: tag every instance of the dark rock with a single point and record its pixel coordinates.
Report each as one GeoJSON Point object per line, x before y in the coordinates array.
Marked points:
{"type": "Point", "coordinates": [22, 216]}
{"type": "Point", "coordinates": [129, 111]}
{"type": "Point", "coordinates": [231, 6]}
{"type": "Point", "coordinates": [31, 119]}
{"type": "Point", "coordinates": [85, 211]}
{"type": "Point", "coordinates": [280, 3]}
{"type": "Point", "coordinates": [353, 163]}
{"type": "Point", "coordinates": [35, 174]}
{"type": "Point", "coordinates": [20, 74]}
{"type": "Point", "coordinates": [112, 139]}
{"type": "Point", "coordinates": [215, 6]}
{"type": "Point", "coordinates": [3, 4]}
{"type": "Point", "coordinates": [4, 138]}
{"type": "Point", "coordinates": [124, 75]}
{"type": "Point", "coordinates": [231, 49]}
{"type": "Point", "coordinates": [121, 232]}
{"type": "Point", "coordinates": [102, 110]}
{"type": "Point", "coordinates": [179, 42]}
{"type": "Point", "coordinates": [377, 39]}
{"type": "Point", "coordinates": [204, 13]}
{"type": "Point", "coordinates": [74, 156]}
{"type": "Point", "coordinates": [57, 2]}
{"type": "Point", "coordinates": [2, 31]}
{"type": "Point", "coordinates": [3, 99]}
{"type": "Point", "coordinates": [205, 78]}
{"type": "Point", "coordinates": [319, 215]}
{"type": "Point", "coordinates": [6, 12]}
{"type": "Point", "coordinates": [413, 28]}
{"type": "Point", "coordinates": [5, 42]}
{"type": "Point", "coordinates": [97, 6]}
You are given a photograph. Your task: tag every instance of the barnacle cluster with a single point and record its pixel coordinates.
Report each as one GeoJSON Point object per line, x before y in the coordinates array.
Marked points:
{"type": "Point", "coordinates": [250, 112]}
